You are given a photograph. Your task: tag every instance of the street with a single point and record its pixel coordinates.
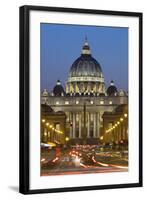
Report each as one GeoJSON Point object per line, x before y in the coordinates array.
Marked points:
{"type": "Point", "coordinates": [83, 160]}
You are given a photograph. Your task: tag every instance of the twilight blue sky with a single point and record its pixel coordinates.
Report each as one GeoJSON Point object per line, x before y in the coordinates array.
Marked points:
{"type": "Point", "coordinates": [62, 44]}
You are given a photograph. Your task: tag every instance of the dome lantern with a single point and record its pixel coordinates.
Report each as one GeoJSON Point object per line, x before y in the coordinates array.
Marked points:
{"type": "Point", "coordinates": [112, 82]}
{"type": "Point", "coordinates": [58, 82]}
{"type": "Point", "coordinates": [86, 48]}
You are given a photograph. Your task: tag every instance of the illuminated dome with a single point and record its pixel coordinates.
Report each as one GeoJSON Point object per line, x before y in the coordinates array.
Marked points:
{"type": "Point", "coordinates": [45, 93]}
{"type": "Point", "coordinates": [86, 66]}
{"type": "Point", "coordinates": [112, 90]}
{"type": "Point", "coordinates": [58, 89]}
{"type": "Point", "coordinates": [85, 75]}
{"type": "Point", "coordinates": [122, 93]}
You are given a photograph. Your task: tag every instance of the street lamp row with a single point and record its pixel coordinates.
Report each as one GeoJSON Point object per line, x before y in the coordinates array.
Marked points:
{"type": "Point", "coordinates": [117, 123]}
{"type": "Point", "coordinates": [51, 127]}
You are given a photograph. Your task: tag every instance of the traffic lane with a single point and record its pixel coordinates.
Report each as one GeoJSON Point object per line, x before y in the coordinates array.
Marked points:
{"type": "Point", "coordinates": [68, 165]}
{"type": "Point", "coordinates": [77, 158]}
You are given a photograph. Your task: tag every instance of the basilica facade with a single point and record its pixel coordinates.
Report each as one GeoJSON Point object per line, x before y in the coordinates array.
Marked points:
{"type": "Point", "coordinates": [85, 99]}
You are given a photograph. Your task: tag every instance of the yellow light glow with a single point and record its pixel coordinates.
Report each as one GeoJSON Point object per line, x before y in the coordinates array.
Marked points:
{"type": "Point", "coordinates": [101, 137]}
{"type": "Point", "coordinates": [121, 119]}
{"type": "Point", "coordinates": [110, 102]}
{"type": "Point", "coordinates": [50, 126]}
{"type": "Point", "coordinates": [101, 102]}
{"type": "Point", "coordinates": [125, 115]}
{"type": "Point", "coordinates": [118, 122]}
{"type": "Point", "coordinates": [43, 120]}
{"type": "Point", "coordinates": [67, 139]}
{"type": "Point", "coordinates": [91, 102]}
{"type": "Point", "coordinates": [77, 102]}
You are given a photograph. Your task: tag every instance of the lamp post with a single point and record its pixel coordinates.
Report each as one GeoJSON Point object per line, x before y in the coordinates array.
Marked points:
{"type": "Point", "coordinates": [43, 130]}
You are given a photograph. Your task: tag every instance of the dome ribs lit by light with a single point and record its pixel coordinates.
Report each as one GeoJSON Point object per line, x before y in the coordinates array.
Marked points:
{"type": "Point", "coordinates": [85, 75]}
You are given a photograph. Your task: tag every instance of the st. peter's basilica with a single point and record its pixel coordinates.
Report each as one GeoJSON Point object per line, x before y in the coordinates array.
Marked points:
{"type": "Point", "coordinates": [85, 111]}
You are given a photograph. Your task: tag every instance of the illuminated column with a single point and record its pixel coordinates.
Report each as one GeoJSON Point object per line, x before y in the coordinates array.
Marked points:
{"type": "Point", "coordinates": [94, 125]}
{"type": "Point", "coordinates": [71, 121]}
{"type": "Point", "coordinates": [76, 88]}
{"type": "Point", "coordinates": [74, 125]}
{"type": "Point", "coordinates": [80, 125]}
{"type": "Point", "coordinates": [98, 125]}
{"type": "Point", "coordinates": [88, 126]}
{"type": "Point", "coordinates": [67, 90]}
{"type": "Point", "coordinates": [88, 88]}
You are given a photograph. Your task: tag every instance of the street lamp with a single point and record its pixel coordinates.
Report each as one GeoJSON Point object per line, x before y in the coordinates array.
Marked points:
{"type": "Point", "coordinates": [43, 131]}
{"type": "Point", "coordinates": [67, 139]}
{"type": "Point", "coordinates": [43, 120]}
{"type": "Point", "coordinates": [101, 139]}
{"type": "Point", "coordinates": [121, 119]}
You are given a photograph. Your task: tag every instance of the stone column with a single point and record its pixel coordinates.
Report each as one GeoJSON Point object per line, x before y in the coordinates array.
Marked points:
{"type": "Point", "coordinates": [71, 128]}
{"type": "Point", "coordinates": [98, 125]}
{"type": "Point", "coordinates": [74, 125]}
{"type": "Point", "coordinates": [80, 125]}
{"type": "Point", "coordinates": [88, 126]}
{"type": "Point", "coordinates": [94, 125]}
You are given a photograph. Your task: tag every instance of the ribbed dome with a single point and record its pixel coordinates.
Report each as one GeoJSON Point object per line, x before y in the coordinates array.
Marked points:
{"type": "Point", "coordinates": [45, 93]}
{"type": "Point", "coordinates": [112, 90]}
{"type": "Point", "coordinates": [58, 89]}
{"type": "Point", "coordinates": [85, 75]}
{"type": "Point", "coordinates": [122, 93]}
{"type": "Point", "coordinates": [85, 66]}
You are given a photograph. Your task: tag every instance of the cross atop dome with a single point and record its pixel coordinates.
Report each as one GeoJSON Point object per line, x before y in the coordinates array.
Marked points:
{"type": "Point", "coordinates": [86, 48]}
{"type": "Point", "coordinates": [86, 41]}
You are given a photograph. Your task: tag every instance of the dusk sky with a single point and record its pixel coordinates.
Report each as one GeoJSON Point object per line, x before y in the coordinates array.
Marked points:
{"type": "Point", "coordinates": [61, 45]}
